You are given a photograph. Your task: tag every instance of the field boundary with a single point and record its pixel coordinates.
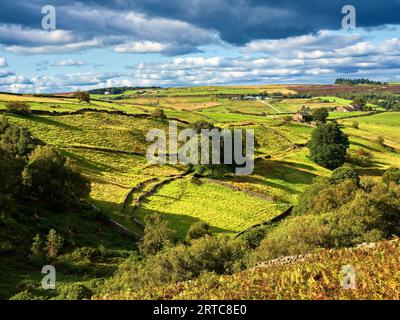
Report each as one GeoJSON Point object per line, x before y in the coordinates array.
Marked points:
{"type": "Point", "coordinates": [278, 218]}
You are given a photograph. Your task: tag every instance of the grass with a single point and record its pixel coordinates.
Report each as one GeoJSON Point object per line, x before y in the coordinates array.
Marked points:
{"type": "Point", "coordinates": [184, 202]}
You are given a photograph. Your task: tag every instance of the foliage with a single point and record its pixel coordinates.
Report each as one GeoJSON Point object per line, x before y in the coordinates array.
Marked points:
{"type": "Point", "coordinates": [174, 264]}
{"type": "Point", "coordinates": [320, 114]}
{"type": "Point", "coordinates": [343, 173]}
{"type": "Point", "coordinates": [157, 235]}
{"type": "Point", "coordinates": [158, 114]}
{"type": "Point", "coordinates": [198, 230]}
{"type": "Point", "coordinates": [18, 107]}
{"type": "Point", "coordinates": [328, 145]}
{"type": "Point", "coordinates": [53, 243]}
{"type": "Point", "coordinates": [16, 140]}
{"type": "Point", "coordinates": [319, 277]}
{"type": "Point", "coordinates": [83, 96]}
{"type": "Point", "coordinates": [48, 175]}
{"type": "Point", "coordinates": [391, 176]}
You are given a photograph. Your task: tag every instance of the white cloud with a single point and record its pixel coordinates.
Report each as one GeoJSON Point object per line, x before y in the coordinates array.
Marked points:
{"type": "Point", "coordinates": [141, 47]}
{"type": "Point", "coordinates": [69, 63]}
{"type": "Point", "coordinates": [3, 63]}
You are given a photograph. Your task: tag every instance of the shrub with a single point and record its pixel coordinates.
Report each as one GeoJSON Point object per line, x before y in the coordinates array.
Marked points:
{"type": "Point", "coordinates": [18, 107]}
{"type": "Point", "coordinates": [355, 125]}
{"type": "Point", "coordinates": [328, 145]}
{"type": "Point", "coordinates": [75, 292]}
{"type": "Point", "coordinates": [254, 237]}
{"type": "Point", "coordinates": [198, 230]}
{"type": "Point", "coordinates": [17, 141]}
{"type": "Point", "coordinates": [180, 263]}
{"type": "Point", "coordinates": [157, 235]}
{"type": "Point", "coordinates": [53, 243]}
{"type": "Point", "coordinates": [343, 173]}
{"type": "Point", "coordinates": [37, 246]}
{"type": "Point", "coordinates": [10, 179]}
{"type": "Point", "coordinates": [391, 176]}
{"type": "Point", "coordinates": [380, 140]}
{"type": "Point", "coordinates": [158, 114]}
{"type": "Point", "coordinates": [51, 177]}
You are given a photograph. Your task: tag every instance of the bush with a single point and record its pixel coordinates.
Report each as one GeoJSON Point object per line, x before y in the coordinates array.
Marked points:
{"type": "Point", "coordinates": [328, 146]}
{"type": "Point", "coordinates": [355, 125]}
{"type": "Point", "coordinates": [180, 263]}
{"type": "Point", "coordinates": [158, 114]}
{"type": "Point", "coordinates": [17, 141]}
{"type": "Point", "coordinates": [75, 292]}
{"type": "Point", "coordinates": [343, 173]}
{"type": "Point", "coordinates": [198, 230]}
{"type": "Point", "coordinates": [157, 235]}
{"type": "Point", "coordinates": [380, 140]}
{"type": "Point", "coordinates": [10, 179]}
{"type": "Point", "coordinates": [18, 107]}
{"type": "Point", "coordinates": [254, 236]}
{"type": "Point", "coordinates": [52, 178]}
{"type": "Point", "coordinates": [391, 176]}
{"type": "Point", "coordinates": [53, 243]}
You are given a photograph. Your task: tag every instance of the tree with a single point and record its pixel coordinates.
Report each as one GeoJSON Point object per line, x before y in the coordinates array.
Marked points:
{"type": "Point", "coordinates": [37, 246]}
{"type": "Point", "coordinates": [198, 230]}
{"type": "Point", "coordinates": [53, 243]}
{"type": "Point", "coordinates": [157, 235]}
{"type": "Point", "coordinates": [359, 103]}
{"type": "Point", "coordinates": [328, 145]}
{"type": "Point", "coordinates": [320, 114]}
{"type": "Point", "coordinates": [18, 107]}
{"type": "Point", "coordinates": [83, 96]}
{"type": "Point", "coordinates": [49, 176]}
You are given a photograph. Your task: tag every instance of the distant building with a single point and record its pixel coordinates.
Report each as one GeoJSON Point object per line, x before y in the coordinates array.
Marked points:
{"type": "Point", "coordinates": [346, 109]}
{"type": "Point", "coordinates": [302, 117]}
{"type": "Point", "coordinates": [107, 92]}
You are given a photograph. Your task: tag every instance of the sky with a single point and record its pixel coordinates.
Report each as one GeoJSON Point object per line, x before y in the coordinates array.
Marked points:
{"type": "Point", "coordinates": [104, 43]}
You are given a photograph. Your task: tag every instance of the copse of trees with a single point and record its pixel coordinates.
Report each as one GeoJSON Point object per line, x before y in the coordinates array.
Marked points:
{"type": "Point", "coordinates": [18, 107]}
{"type": "Point", "coordinates": [52, 178]}
{"type": "Point", "coordinates": [328, 145]}
{"type": "Point", "coordinates": [358, 81]}
{"type": "Point", "coordinates": [198, 230]}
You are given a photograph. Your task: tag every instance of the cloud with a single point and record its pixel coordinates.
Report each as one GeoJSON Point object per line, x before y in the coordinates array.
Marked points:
{"type": "Point", "coordinates": [3, 63]}
{"type": "Point", "coordinates": [69, 63]}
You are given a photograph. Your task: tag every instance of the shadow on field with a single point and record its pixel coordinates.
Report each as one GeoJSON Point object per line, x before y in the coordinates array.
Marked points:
{"type": "Point", "coordinates": [88, 164]}
{"type": "Point", "coordinates": [51, 122]}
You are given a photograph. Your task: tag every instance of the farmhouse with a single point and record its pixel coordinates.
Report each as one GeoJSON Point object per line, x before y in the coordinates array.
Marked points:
{"type": "Point", "coordinates": [345, 109]}
{"type": "Point", "coordinates": [302, 117]}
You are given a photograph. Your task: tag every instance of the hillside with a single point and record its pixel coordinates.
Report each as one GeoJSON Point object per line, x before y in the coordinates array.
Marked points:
{"type": "Point", "coordinates": [319, 277]}
{"type": "Point", "coordinates": [106, 140]}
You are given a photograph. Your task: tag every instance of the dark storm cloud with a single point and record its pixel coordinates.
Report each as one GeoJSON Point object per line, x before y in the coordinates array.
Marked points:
{"type": "Point", "coordinates": [237, 21]}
